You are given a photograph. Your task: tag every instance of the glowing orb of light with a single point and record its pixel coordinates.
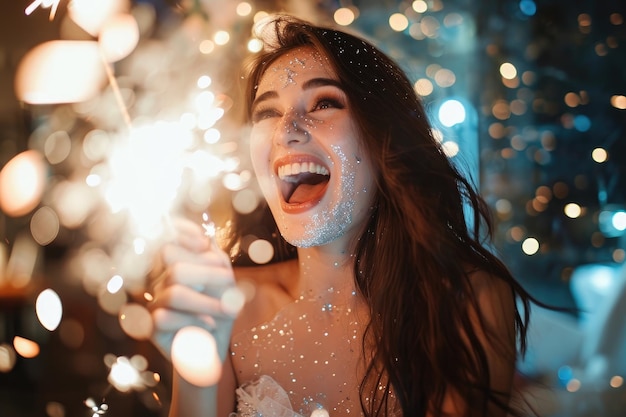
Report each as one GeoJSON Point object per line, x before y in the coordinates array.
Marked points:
{"type": "Point", "coordinates": [195, 357]}
{"type": "Point", "coordinates": [119, 37]}
{"type": "Point", "coordinates": [25, 348]}
{"type": "Point", "coordinates": [145, 173]}
{"type": "Point", "coordinates": [7, 357]}
{"type": "Point", "coordinates": [60, 72]}
{"type": "Point", "coordinates": [92, 15]}
{"type": "Point", "coordinates": [261, 251]}
{"type": "Point", "coordinates": [320, 412]}
{"type": "Point", "coordinates": [530, 246]}
{"type": "Point", "coordinates": [22, 182]}
{"type": "Point", "coordinates": [245, 201]}
{"type": "Point", "coordinates": [451, 112]}
{"type": "Point", "coordinates": [124, 376]}
{"type": "Point", "coordinates": [44, 225]}
{"type": "Point", "coordinates": [49, 309]}
{"type": "Point", "coordinates": [233, 300]}
{"type": "Point", "coordinates": [136, 321]}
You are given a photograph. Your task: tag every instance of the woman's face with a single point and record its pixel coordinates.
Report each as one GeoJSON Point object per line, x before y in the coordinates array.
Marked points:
{"type": "Point", "coordinates": [306, 151]}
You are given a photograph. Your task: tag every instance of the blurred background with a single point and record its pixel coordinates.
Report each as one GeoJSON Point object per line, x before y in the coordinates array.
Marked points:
{"type": "Point", "coordinates": [116, 115]}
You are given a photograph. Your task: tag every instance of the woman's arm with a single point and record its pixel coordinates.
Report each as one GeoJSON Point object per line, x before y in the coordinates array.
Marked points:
{"type": "Point", "coordinates": [214, 401]}
{"type": "Point", "coordinates": [493, 322]}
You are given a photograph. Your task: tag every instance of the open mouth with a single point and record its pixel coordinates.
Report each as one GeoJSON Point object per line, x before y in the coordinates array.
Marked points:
{"type": "Point", "coordinates": [303, 182]}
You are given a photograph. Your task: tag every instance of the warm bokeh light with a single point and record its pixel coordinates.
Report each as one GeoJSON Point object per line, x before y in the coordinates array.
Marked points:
{"type": "Point", "coordinates": [423, 87]}
{"type": "Point", "coordinates": [49, 309]}
{"type": "Point", "coordinates": [508, 71]}
{"type": "Point", "coordinates": [92, 16]}
{"type": "Point", "coordinates": [420, 6]}
{"type": "Point", "coordinates": [22, 183]}
{"type": "Point", "coordinates": [118, 37]}
{"type": "Point", "coordinates": [124, 376]}
{"type": "Point", "coordinates": [26, 348]}
{"type": "Point", "coordinates": [233, 300]}
{"type": "Point", "coordinates": [450, 148]}
{"type": "Point", "coordinates": [221, 37]}
{"type": "Point", "coordinates": [195, 356]}
{"type": "Point", "coordinates": [7, 357]}
{"type": "Point", "coordinates": [572, 210]}
{"type": "Point", "coordinates": [261, 251]}
{"type": "Point", "coordinates": [398, 22]}
{"type": "Point", "coordinates": [530, 246]}
{"type": "Point", "coordinates": [44, 225]}
{"type": "Point", "coordinates": [244, 8]}
{"type": "Point", "coordinates": [344, 16]}
{"type": "Point", "coordinates": [60, 72]}
{"type": "Point", "coordinates": [136, 321]}
{"type": "Point", "coordinates": [599, 155]}
{"type": "Point", "coordinates": [619, 102]}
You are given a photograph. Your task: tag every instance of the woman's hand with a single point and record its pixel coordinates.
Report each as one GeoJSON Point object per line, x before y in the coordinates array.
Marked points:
{"type": "Point", "coordinates": [187, 283]}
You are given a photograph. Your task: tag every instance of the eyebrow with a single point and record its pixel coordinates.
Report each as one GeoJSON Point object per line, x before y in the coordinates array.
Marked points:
{"type": "Point", "coordinates": [307, 85]}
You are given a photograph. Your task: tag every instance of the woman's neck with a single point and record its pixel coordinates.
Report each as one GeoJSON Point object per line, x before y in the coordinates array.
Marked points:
{"type": "Point", "coordinates": [326, 275]}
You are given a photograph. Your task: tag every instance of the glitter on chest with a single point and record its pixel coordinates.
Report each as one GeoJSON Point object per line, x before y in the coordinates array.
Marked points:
{"type": "Point", "coordinates": [312, 349]}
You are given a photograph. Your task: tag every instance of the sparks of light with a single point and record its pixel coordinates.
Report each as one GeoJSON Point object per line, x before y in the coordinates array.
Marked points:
{"type": "Point", "coordinates": [49, 309]}
{"type": "Point", "coordinates": [208, 226]}
{"type": "Point", "coordinates": [25, 348]}
{"type": "Point", "coordinates": [52, 4]}
{"type": "Point", "coordinates": [146, 172]}
{"type": "Point", "coordinates": [195, 356]}
{"type": "Point", "coordinates": [96, 409]}
{"type": "Point", "coordinates": [124, 376]}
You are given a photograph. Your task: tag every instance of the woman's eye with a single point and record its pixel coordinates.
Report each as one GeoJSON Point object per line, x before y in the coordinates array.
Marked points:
{"type": "Point", "coordinates": [328, 103]}
{"type": "Point", "coordinates": [263, 114]}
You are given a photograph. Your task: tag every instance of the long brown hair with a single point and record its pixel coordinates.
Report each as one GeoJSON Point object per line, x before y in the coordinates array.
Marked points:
{"type": "Point", "coordinates": [411, 262]}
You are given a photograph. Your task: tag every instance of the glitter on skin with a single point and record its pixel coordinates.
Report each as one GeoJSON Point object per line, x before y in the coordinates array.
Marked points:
{"type": "Point", "coordinates": [330, 224]}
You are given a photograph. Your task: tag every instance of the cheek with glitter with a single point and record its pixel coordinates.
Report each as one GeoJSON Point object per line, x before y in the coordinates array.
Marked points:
{"type": "Point", "coordinates": [332, 222]}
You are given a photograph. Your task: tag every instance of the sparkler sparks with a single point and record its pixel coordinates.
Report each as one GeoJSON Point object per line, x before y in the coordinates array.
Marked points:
{"type": "Point", "coordinates": [52, 4]}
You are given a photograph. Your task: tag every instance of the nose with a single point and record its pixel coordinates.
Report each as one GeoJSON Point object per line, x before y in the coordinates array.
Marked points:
{"type": "Point", "coordinates": [292, 130]}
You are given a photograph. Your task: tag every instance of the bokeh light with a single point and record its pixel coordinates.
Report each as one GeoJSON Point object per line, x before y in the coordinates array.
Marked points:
{"type": "Point", "coordinates": [195, 356]}
{"type": "Point", "coordinates": [22, 183]}
{"type": "Point", "coordinates": [49, 309]}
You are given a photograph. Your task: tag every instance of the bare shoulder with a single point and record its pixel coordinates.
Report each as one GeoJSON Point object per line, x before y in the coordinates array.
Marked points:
{"type": "Point", "coordinates": [494, 294]}
{"type": "Point", "coordinates": [494, 312]}
{"type": "Point", "coordinates": [274, 286]}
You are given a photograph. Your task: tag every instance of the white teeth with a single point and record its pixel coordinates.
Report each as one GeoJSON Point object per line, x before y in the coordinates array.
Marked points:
{"type": "Point", "coordinates": [298, 168]}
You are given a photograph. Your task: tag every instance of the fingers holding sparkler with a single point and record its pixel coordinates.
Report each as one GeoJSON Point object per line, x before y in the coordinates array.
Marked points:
{"type": "Point", "coordinates": [194, 296]}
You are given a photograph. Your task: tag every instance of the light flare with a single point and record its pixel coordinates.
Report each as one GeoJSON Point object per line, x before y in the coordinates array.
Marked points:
{"type": "Point", "coordinates": [49, 309]}
{"type": "Point", "coordinates": [53, 5]}
{"type": "Point", "coordinates": [195, 357]}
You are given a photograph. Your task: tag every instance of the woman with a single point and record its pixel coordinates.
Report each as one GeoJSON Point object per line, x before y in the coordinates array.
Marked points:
{"type": "Point", "coordinates": [393, 306]}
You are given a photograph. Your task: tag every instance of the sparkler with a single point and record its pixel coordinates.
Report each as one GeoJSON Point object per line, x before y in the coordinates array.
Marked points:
{"type": "Point", "coordinates": [52, 4]}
